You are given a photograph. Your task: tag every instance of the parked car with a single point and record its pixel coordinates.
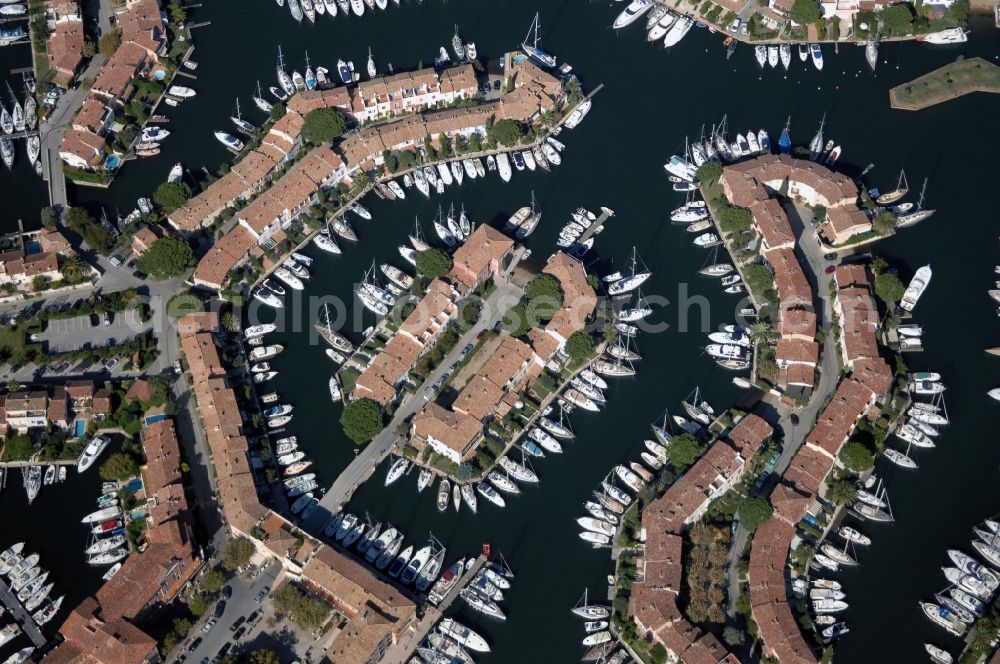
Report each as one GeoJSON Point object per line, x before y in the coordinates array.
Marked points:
{"type": "Point", "coordinates": [208, 626]}
{"type": "Point", "coordinates": [236, 623]}
{"type": "Point", "coordinates": [194, 644]}
{"type": "Point", "coordinates": [734, 27]}
{"type": "Point", "coordinates": [111, 364]}
{"type": "Point", "coordinates": [260, 596]}
{"type": "Point", "coordinates": [227, 592]}
{"type": "Point", "coordinates": [107, 319]}
{"type": "Point", "coordinates": [830, 257]}
{"type": "Point", "coordinates": [220, 608]}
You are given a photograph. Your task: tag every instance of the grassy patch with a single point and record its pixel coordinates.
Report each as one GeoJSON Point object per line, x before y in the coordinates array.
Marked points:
{"type": "Point", "coordinates": [948, 82]}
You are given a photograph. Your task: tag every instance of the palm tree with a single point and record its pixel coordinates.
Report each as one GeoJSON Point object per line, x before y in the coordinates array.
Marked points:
{"type": "Point", "coordinates": [842, 491]}
{"type": "Point", "coordinates": [229, 322]}
{"type": "Point", "coordinates": [981, 635]}
{"type": "Point", "coordinates": [72, 268]}
{"type": "Point", "coordinates": [762, 332]}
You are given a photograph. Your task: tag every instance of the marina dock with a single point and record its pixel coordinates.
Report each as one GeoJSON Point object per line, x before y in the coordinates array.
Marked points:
{"type": "Point", "coordinates": [592, 229]}
{"type": "Point", "coordinates": [22, 617]}
{"type": "Point", "coordinates": [401, 651]}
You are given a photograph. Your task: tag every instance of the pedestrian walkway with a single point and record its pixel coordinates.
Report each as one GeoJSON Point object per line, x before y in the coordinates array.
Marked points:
{"type": "Point", "coordinates": [401, 650]}
{"type": "Point", "coordinates": [26, 622]}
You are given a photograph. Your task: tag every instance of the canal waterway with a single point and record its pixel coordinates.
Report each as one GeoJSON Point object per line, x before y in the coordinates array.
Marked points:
{"type": "Point", "coordinates": [651, 100]}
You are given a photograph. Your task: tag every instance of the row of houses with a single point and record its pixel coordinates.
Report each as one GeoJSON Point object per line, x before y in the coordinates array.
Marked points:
{"type": "Point", "coordinates": [856, 397]}
{"type": "Point", "coordinates": [68, 407]}
{"type": "Point", "coordinates": [107, 627]}
{"type": "Point", "coordinates": [377, 614]}
{"type": "Point", "coordinates": [64, 48]}
{"type": "Point", "coordinates": [260, 224]}
{"type": "Point", "coordinates": [653, 603]}
{"type": "Point", "coordinates": [511, 367]}
{"type": "Point", "coordinates": [143, 42]}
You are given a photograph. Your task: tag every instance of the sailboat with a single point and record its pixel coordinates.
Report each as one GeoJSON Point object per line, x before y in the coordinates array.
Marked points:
{"type": "Point", "coordinates": [902, 187]}
{"type": "Point", "coordinates": [310, 77]}
{"type": "Point", "coordinates": [533, 51]}
{"type": "Point", "coordinates": [457, 46]}
{"type": "Point", "coordinates": [631, 282]}
{"type": "Point", "coordinates": [917, 215]}
{"type": "Point", "coordinates": [589, 611]}
{"type": "Point", "coordinates": [17, 111]}
{"type": "Point", "coordinates": [240, 123]}
{"type": "Point", "coordinates": [261, 103]}
{"type": "Point", "coordinates": [372, 71]}
{"type": "Point", "coordinates": [785, 140]}
{"type": "Point", "coordinates": [871, 52]}
{"type": "Point", "coordinates": [816, 145]}
{"type": "Point", "coordinates": [284, 80]}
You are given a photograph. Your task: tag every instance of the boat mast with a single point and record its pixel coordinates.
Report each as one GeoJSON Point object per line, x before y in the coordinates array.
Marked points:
{"type": "Point", "coordinates": [923, 190]}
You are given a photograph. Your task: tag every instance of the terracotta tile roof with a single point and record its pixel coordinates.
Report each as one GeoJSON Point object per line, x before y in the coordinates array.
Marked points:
{"type": "Point", "coordinates": [224, 255]}
{"type": "Point", "coordinates": [790, 281]}
{"type": "Point", "coordinates": [480, 256]}
{"type": "Point", "coordinates": [479, 397]}
{"type": "Point", "coordinates": [772, 223]}
{"type": "Point", "coordinates": [579, 298]}
{"type": "Point", "coordinates": [140, 390]}
{"type": "Point", "coordinates": [749, 433]}
{"type": "Point", "coordinates": [455, 430]}
{"type": "Point", "coordinates": [797, 350]}
{"type": "Point", "coordinates": [798, 374]}
{"type": "Point", "coordinates": [432, 312]}
{"type": "Point", "coordinates": [81, 148]}
{"type": "Point", "coordinates": [379, 379]}
{"type": "Point", "coordinates": [94, 115]}
{"type": "Point", "coordinates": [797, 322]}
{"type": "Point", "coordinates": [65, 47]}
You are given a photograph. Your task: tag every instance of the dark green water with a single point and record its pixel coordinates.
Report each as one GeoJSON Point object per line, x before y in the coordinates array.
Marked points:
{"type": "Point", "coordinates": [651, 100]}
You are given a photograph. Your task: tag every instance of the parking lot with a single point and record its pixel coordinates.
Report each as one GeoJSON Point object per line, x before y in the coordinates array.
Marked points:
{"type": "Point", "coordinates": [65, 334]}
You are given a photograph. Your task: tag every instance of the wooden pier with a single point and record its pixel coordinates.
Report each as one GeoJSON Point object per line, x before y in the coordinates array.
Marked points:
{"type": "Point", "coordinates": [606, 213]}
{"type": "Point", "coordinates": [22, 617]}
{"type": "Point", "coordinates": [400, 652]}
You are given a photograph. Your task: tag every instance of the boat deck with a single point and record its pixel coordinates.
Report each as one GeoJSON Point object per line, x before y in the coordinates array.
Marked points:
{"type": "Point", "coordinates": [22, 617]}
{"type": "Point", "coordinates": [401, 651]}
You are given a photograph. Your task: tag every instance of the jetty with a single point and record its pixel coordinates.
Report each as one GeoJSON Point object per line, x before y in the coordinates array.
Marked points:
{"type": "Point", "coordinates": [22, 617]}
{"type": "Point", "coordinates": [606, 213]}
{"type": "Point", "coordinates": [949, 82]}
{"type": "Point", "coordinates": [400, 652]}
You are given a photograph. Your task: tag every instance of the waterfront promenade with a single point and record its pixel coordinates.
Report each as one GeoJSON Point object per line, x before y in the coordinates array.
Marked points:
{"type": "Point", "coordinates": [400, 651]}
{"type": "Point", "coordinates": [21, 616]}
{"type": "Point", "coordinates": [371, 455]}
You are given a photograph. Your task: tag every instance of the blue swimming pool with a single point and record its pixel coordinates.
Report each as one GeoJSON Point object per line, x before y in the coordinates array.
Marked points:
{"type": "Point", "coordinates": [160, 75]}
{"type": "Point", "coordinates": [133, 486]}
{"type": "Point", "coordinates": [112, 162]}
{"type": "Point", "coordinates": [153, 419]}
{"type": "Point", "coordinates": [32, 247]}
{"type": "Point", "coordinates": [80, 428]}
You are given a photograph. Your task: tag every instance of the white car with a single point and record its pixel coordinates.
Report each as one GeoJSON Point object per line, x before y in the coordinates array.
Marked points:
{"type": "Point", "coordinates": [734, 27]}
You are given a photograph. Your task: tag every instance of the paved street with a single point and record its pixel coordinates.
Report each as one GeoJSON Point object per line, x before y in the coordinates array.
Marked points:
{"type": "Point", "coordinates": [499, 301]}
{"type": "Point", "coordinates": [241, 604]}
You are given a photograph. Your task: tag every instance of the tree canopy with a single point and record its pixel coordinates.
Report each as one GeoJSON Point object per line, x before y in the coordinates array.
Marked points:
{"type": "Point", "coordinates": [168, 257]}
{"type": "Point", "coordinates": [580, 346]}
{"type": "Point", "coordinates": [889, 288]}
{"type": "Point", "coordinates": [433, 263]}
{"type": "Point", "coordinates": [119, 467]}
{"type": "Point", "coordinates": [95, 235]}
{"type": "Point", "coordinates": [805, 11]}
{"type": "Point", "coordinates": [506, 132]}
{"type": "Point", "coordinates": [323, 125]}
{"type": "Point", "coordinates": [683, 451]}
{"type": "Point", "coordinates": [897, 19]}
{"type": "Point", "coordinates": [710, 171]}
{"type": "Point", "coordinates": [236, 553]}
{"type": "Point", "coordinates": [517, 322]}
{"type": "Point", "coordinates": [754, 512]}
{"type": "Point", "coordinates": [856, 457]}
{"type": "Point", "coordinates": [171, 195]}
{"type": "Point", "coordinates": [109, 42]}
{"type": "Point", "coordinates": [304, 611]}
{"type": "Point", "coordinates": [544, 297]}
{"type": "Point", "coordinates": [362, 420]}
{"type": "Point", "coordinates": [734, 218]}
{"type": "Point", "coordinates": [212, 581]}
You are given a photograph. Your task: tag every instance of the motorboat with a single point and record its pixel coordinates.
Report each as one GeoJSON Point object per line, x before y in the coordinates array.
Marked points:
{"type": "Point", "coordinates": [772, 55]}
{"type": "Point", "coordinates": [677, 31]}
{"type": "Point", "coordinates": [816, 53]}
{"type": "Point", "coordinates": [592, 524]}
{"type": "Point", "coordinates": [853, 535]}
{"type": "Point", "coordinates": [577, 116]}
{"type": "Point", "coordinates": [463, 635]}
{"type": "Point", "coordinates": [760, 53]}
{"type": "Point", "coordinates": [94, 448]}
{"type": "Point", "coordinates": [968, 582]}
{"type": "Point", "coordinates": [631, 13]}
{"type": "Point", "coordinates": [596, 539]}
{"type": "Point", "coordinates": [829, 605]}
{"type": "Point", "coordinates": [444, 491]}
{"type": "Point", "coordinates": [938, 655]}
{"type": "Point", "coordinates": [949, 36]}
{"type": "Point", "coordinates": [916, 288]}
{"type": "Point", "coordinates": [229, 141]}
{"type": "Point", "coordinates": [943, 617]}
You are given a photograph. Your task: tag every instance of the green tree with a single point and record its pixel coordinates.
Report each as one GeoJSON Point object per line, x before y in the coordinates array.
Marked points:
{"type": "Point", "coordinates": [119, 467]}
{"type": "Point", "coordinates": [362, 420]}
{"type": "Point", "coordinates": [95, 235]}
{"type": "Point", "coordinates": [762, 332]}
{"type": "Point", "coordinates": [708, 172]}
{"type": "Point", "coordinates": [304, 611]}
{"type": "Point", "coordinates": [805, 12]}
{"type": "Point", "coordinates": [754, 512]}
{"type": "Point", "coordinates": [168, 257]}
{"type": "Point", "coordinates": [110, 42]}
{"type": "Point", "coordinates": [71, 268]}
{"type": "Point", "coordinates": [264, 656]}
{"type": "Point", "coordinates": [658, 654]}
{"type": "Point", "coordinates": [683, 451]}
{"type": "Point", "coordinates": [236, 553]}
{"type": "Point", "coordinates": [171, 195]}
{"type": "Point", "coordinates": [889, 288]}
{"type": "Point", "coordinates": [229, 322]}
{"type": "Point", "coordinates": [734, 219]}
{"type": "Point", "coordinates": [18, 447]}
{"type": "Point", "coordinates": [506, 132]}
{"type": "Point", "coordinates": [197, 605]}
{"type": "Point", "coordinates": [544, 296]}
{"type": "Point", "coordinates": [323, 125]}
{"type": "Point", "coordinates": [883, 223]}
{"type": "Point", "coordinates": [897, 19]}
{"type": "Point", "coordinates": [433, 263]}
{"type": "Point", "coordinates": [212, 581]}
{"type": "Point", "coordinates": [176, 13]}
{"type": "Point", "coordinates": [49, 216]}
{"type": "Point", "coordinates": [842, 492]}
{"type": "Point", "coordinates": [733, 637]}
{"type": "Point", "coordinates": [517, 321]}
{"type": "Point", "coordinates": [579, 346]}
{"type": "Point", "coordinates": [856, 457]}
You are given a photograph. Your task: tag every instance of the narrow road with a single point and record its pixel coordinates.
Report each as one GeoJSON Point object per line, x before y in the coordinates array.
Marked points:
{"type": "Point", "coordinates": [495, 306]}
{"type": "Point", "coordinates": [810, 254]}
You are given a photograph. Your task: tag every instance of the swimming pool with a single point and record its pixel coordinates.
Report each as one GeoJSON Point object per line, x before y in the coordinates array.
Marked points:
{"type": "Point", "coordinates": [153, 419]}
{"type": "Point", "coordinates": [159, 75]}
{"type": "Point", "coordinates": [80, 428]}
{"type": "Point", "coordinates": [133, 486]}
{"type": "Point", "coordinates": [112, 162]}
